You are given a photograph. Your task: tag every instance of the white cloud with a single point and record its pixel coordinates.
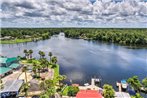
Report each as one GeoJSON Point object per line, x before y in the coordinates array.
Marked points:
{"type": "Point", "coordinates": [76, 11]}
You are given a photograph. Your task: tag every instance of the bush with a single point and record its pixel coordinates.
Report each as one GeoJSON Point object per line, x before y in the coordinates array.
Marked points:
{"type": "Point", "coordinates": [72, 90]}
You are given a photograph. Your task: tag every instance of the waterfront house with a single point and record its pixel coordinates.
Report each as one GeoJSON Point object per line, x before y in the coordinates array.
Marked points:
{"type": "Point", "coordinates": [11, 88]}
{"type": "Point", "coordinates": [7, 65]}
{"type": "Point", "coordinates": [88, 94]}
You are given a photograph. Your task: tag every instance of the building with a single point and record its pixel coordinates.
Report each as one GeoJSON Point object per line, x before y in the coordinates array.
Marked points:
{"type": "Point", "coordinates": [122, 95]}
{"type": "Point", "coordinates": [88, 94]}
{"type": "Point", "coordinates": [11, 88]}
{"type": "Point", "coordinates": [7, 65]}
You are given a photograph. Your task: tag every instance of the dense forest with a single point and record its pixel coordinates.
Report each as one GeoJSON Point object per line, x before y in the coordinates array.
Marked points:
{"type": "Point", "coordinates": [120, 36]}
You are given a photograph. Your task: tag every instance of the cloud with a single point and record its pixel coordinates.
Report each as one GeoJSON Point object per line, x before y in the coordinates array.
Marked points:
{"type": "Point", "coordinates": [73, 11]}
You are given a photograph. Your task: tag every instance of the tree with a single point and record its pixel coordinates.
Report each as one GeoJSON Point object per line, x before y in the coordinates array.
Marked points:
{"type": "Point", "coordinates": [30, 53]}
{"type": "Point", "coordinates": [44, 85]}
{"type": "Point", "coordinates": [50, 55]}
{"type": "Point", "coordinates": [72, 90]}
{"type": "Point", "coordinates": [108, 91]}
{"type": "Point", "coordinates": [40, 52]}
{"type": "Point", "coordinates": [137, 96]}
{"type": "Point", "coordinates": [24, 69]}
{"type": "Point", "coordinates": [144, 82]}
{"type": "Point", "coordinates": [135, 83]}
{"type": "Point", "coordinates": [48, 86]}
{"type": "Point", "coordinates": [34, 68]}
{"type": "Point", "coordinates": [43, 54]}
{"type": "Point", "coordinates": [39, 67]}
{"type": "Point", "coordinates": [25, 52]}
{"type": "Point", "coordinates": [44, 96]}
{"type": "Point", "coordinates": [54, 60]}
{"type": "Point", "coordinates": [25, 88]}
{"type": "Point", "coordinates": [44, 62]}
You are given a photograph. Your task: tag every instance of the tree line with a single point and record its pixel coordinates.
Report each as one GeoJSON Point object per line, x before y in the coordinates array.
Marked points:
{"type": "Point", "coordinates": [124, 36]}
{"type": "Point", "coordinates": [120, 36]}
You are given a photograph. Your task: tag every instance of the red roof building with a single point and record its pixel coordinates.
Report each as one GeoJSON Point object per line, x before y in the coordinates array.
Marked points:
{"type": "Point", "coordinates": [88, 94]}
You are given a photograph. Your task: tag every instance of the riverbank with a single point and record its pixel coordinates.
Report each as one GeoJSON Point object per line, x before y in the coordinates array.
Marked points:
{"type": "Point", "coordinates": [15, 41]}
{"type": "Point", "coordinates": [121, 36]}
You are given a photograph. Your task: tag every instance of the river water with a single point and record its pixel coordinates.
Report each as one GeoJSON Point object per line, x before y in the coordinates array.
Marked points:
{"type": "Point", "coordinates": [81, 60]}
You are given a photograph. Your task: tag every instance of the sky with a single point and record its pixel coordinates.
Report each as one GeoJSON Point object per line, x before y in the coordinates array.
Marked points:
{"type": "Point", "coordinates": [74, 13]}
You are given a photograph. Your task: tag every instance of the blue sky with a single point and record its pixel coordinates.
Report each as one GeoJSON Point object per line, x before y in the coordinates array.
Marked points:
{"type": "Point", "coordinates": [74, 13]}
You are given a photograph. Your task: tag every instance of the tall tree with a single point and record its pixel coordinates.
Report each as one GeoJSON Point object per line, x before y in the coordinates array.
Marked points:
{"type": "Point", "coordinates": [40, 53]}
{"type": "Point", "coordinates": [34, 68]}
{"type": "Point", "coordinates": [24, 69]}
{"type": "Point", "coordinates": [135, 83]}
{"type": "Point", "coordinates": [25, 52]}
{"type": "Point", "coordinates": [50, 55]}
{"type": "Point", "coordinates": [144, 82]}
{"type": "Point", "coordinates": [30, 53]}
{"type": "Point", "coordinates": [54, 60]}
{"type": "Point", "coordinates": [108, 91]}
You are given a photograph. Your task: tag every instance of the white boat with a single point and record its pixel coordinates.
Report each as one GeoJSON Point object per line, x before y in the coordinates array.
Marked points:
{"type": "Point", "coordinates": [86, 84]}
{"type": "Point", "coordinates": [124, 84]}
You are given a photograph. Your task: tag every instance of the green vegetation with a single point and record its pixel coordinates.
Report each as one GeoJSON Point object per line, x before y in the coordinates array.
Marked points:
{"type": "Point", "coordinates": [120, 36]}
{"type": "Point", "coordinates": [108, 91]}
{"type": "Point", "coordinates": [20, 35]}
{"type": "Point", "coordinates": [135, 83]}
{"type": "Point", "coordinates": [14, 41]}
{"type": "Point", "coordinates": [144, 82]}
{"type": "Point", "coordinates": [50, 85]}
{"type": "Point", "coordinates": [72, 90]}
{"type": "Point", "coordinates": [65, 91]}
{"type": "Point", "coordinates": [137, 96]}
{"type": "Point", "coordinates": [131, 37]}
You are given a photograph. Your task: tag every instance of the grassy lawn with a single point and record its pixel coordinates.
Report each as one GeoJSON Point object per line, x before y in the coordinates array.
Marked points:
{"type": "Point", "coordinates": [15, 41]}
{"type": "Point", "coordinates": [27, 62]}
{"type": "Point", "coordinates": [56, 72]}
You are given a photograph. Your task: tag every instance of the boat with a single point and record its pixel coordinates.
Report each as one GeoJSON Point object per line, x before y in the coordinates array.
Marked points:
{"type": "Point", "coordinates": [124, 84]}
{"type": "Point", "coordinates": [86, 84]}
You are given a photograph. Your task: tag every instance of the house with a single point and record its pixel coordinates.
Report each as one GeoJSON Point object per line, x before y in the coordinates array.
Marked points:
{"type": "Point", "coordinates": [88, 94]}
{"type": "Point", "coordinates": [7, 65]}
{"type": "Point", "coordinates": [122, 95]}
{"type": "Point", "coordinates": [11, 88]}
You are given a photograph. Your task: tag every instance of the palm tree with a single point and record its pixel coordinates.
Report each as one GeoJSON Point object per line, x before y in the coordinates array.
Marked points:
{"type": "Point", "coordinates": [108, 91]}
{"type": "Point", "coordinates": [24, 69]}
{"type": "Point", "coordinates": [50, 55]}
{"type": "Point", "coordinates": [25, 52]}
{"type": "Point", "coordinates": [30, 53]}
{"type": "Point", "coordinates": [25, 88]}
{"type": "Point", "coordinates": [35, 68]}
{"type": "Point", "coordinates": [54, 60]}
{"type": "Point", "coordinates": [43, 54]}
{"type": "Point", "coordinates": [40, 52]}
{"type": "Point", "coordinates": [135, 83]}
{"type": "Point", "coordinates": [39, 68]}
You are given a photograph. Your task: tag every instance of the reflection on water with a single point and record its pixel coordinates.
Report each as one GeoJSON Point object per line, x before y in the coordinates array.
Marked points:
{"type": "Point", "coordinates": [80, 60]}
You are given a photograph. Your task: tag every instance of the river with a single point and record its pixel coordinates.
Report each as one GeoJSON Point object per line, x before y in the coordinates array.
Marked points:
{"type": "Point", "coordinates": [81, 60]}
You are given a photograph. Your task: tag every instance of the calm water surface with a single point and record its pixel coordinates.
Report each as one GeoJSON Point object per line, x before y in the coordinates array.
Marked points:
{"type": "Point", "coordinates": [80, 60]}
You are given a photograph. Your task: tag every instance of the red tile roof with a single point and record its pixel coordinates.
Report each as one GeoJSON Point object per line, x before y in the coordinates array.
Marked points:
{"type": "Point", "coordinates": [88, 94]}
